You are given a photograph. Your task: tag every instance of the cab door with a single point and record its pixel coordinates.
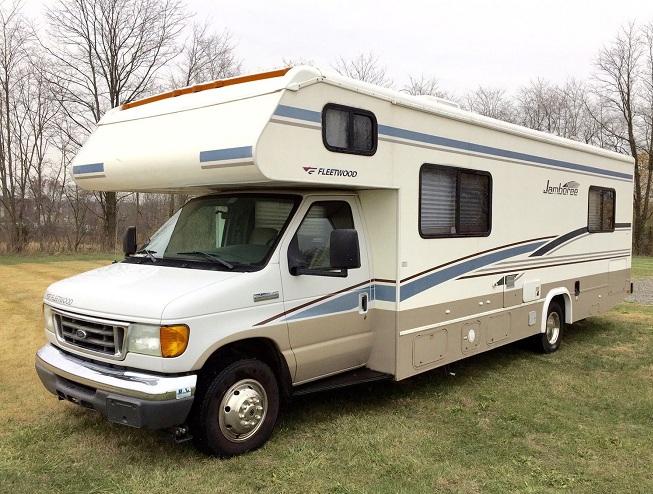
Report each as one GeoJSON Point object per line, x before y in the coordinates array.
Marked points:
{"type": "Point", "coordinates": [326, 309]}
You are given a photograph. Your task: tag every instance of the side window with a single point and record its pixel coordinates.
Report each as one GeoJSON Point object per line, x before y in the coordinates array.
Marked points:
{"type": "Point", "coordinates": [601, 210]}
{"type": "Point", "coordinates": [454, 202]}
{"type": "Point", "coordinates": [310, 247]}
{"type": "Point", "coordinates": [349, 130]}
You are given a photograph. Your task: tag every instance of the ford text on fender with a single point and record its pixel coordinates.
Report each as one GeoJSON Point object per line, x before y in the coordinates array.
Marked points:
{"type": "Point", "coordinates": [339, 233]}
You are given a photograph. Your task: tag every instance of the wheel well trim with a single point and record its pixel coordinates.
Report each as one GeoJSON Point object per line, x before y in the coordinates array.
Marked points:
{"type": "Point", "coordinates": [286, 370]}
{"type": "Point", "coordinates": [555, 292]}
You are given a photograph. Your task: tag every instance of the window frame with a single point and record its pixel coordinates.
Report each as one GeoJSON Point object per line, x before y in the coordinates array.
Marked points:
{"type": "Point", "coordinates": [614, 208]}
{"type": "Point", "coordinates": [458, 170]}
{"type": "Point", "coordinates": [328, 272]}
{"type": "Point", "coordinates": [350, 134]}
{"type": "Point", "coordinates": [296, 200]}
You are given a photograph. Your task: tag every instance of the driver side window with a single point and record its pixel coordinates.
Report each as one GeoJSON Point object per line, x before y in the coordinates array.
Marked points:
{"type": "Point", "coordinates": [310, 247]}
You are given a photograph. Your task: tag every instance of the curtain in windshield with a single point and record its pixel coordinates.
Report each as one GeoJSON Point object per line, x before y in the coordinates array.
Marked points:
{"type": "Point", "coordinates": [238, 229]}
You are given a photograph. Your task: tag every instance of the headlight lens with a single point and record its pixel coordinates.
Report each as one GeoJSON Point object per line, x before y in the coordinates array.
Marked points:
{"type": "Point", "coordinates": [143, 338]}
{"type": "Point", "coordinates": [48, 318]}
{"type": "Point", "coordinates": [174, 340]}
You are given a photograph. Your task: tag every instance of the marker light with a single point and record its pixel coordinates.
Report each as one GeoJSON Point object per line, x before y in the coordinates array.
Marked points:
{"type": "Point", "coordinates": [174, 340]}
{"type": "Point", "coordinates": [204, 86]}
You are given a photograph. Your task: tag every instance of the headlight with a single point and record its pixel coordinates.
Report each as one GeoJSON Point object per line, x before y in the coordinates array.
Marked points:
{"type": "Point", "coordinates": [143, 338]}
{"type": "Point", "coordinates": [159, 341]}
{"type": "Point", "coordinates": [48, 318]}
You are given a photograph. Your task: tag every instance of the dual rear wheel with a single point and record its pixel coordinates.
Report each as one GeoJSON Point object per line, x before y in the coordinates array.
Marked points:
{"type": "Point", "coordinates": [549, 340]}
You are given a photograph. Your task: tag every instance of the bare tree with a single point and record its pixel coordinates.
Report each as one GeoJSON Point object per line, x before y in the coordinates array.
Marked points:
{"type": "Point", "coordinates": [617, 80]}
{"type": "Point", "coordinates": [364, 67]}
{"type": "Point", "coordinates": [109, 52]}
{"type": "Point", "coordinates": [15, 41]}
{"type": "Point", "coordinates": [206, 56]}
{"type": "Point", "coordinates": [575, 120]}
{"type": "Point", "coordinates": [422, 85]}
{"type": "Point", "coordinates": [538, 106]}
{"type": "Point", "coordinates": [295, 61]}
{"type": "Point", "coordinates": [36, 113]}
{"type": "Point", "coordinates": [645, 163]}
{"type": "Point", "coordinates": [491, 102]}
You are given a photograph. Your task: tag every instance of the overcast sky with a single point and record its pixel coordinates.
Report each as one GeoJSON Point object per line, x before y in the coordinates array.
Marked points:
{"type": "Point", "coordinates": [463, 43]}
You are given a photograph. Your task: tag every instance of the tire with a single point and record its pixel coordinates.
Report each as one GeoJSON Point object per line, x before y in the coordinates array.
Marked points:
{"type": "Point", "coordinates": [238, 410]}
{"type": "Point", "coordinates": [549, 341]}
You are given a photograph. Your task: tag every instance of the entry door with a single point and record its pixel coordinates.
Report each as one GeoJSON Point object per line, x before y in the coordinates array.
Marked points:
{"type": "Point", "coordinates": [326, 314]}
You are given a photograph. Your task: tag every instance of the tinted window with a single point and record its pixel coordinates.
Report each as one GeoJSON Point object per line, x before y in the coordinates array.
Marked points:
{"type": "Point", "coordinates": [349, 130]}
{"type": "Point", "coordinates": [601, 210]}
{"type": "Point", "coordinates": [336, 123]}
{"type": "Point", "coordinates": [454, 202]}
{"type": "Point", "coordinates": [310, 247]}
{"type": "Point", "coordinates": [240, 229]}
{"type": "Point", "coordinates": [363, 139]}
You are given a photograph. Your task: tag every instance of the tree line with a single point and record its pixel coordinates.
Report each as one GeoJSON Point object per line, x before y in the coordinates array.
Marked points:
{"type": "Point", "coordinates": [59, 79]}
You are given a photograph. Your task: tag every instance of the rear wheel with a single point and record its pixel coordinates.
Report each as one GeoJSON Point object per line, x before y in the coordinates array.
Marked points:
{"type": "Point", "coordinates": [549, 340]}
{"type": "Point", "coordinates": [238, 410]}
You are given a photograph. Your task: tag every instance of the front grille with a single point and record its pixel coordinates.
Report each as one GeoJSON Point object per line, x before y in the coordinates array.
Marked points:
{"type": "Point", "coordinates": [96, 336]}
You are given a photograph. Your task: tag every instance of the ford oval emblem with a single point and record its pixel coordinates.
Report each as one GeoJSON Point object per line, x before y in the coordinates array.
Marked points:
{"type": "Point", "coordinates": [81, 334]}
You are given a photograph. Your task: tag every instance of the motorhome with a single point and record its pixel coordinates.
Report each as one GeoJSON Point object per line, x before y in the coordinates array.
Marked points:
{"type": "Point", "coordinates": [338, 233]}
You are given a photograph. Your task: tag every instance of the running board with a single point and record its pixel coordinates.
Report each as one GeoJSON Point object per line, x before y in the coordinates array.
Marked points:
{"type": "Point", "coordinates": [350, 378]}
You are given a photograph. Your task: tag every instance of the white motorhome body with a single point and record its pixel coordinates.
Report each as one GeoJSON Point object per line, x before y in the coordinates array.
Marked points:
{"type": "Point", "coordinates": [471, 232]}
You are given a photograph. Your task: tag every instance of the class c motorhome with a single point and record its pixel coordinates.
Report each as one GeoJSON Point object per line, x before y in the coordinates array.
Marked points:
{"type": "Point", "coordinates": [339, 233]}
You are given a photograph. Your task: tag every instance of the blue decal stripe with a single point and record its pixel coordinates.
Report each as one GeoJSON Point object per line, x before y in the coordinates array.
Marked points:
{"type": "Point", "coordinates": [429, 281]}
{"type": "Point", "coordinates": [504, 153]}
{"type": "Point", "coordinates": [558, 241]}
{"type": "Point", "coordinates": [343, 303]}
{"type": "Point", "coordinates": [298, 113]}
{"type": "Point", "coordinates": [226, 154]}
{"type": "Point", "coordinates": [385, 293]}
{"type": "Point", "coordinates": [396, 132]}
{"type": "Point", "coordinates": [90, 168]}
{"type": "Point", "coordinates": [349, 300]}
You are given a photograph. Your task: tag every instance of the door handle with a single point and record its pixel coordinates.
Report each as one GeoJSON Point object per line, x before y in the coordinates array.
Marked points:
{"type": "Point", "coordinates": [363, 303]}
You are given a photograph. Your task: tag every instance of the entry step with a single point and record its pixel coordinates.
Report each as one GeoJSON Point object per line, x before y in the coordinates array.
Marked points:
{"type": "Point", "coordinates": [350, 378]}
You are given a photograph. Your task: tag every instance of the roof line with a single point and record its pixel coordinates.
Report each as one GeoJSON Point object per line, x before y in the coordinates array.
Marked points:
{"type": "Point", "coordinates": [207, 85]}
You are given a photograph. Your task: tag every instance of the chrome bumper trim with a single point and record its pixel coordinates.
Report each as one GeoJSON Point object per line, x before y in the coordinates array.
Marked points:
{"type": "Point", "coordinates": [121, 382]}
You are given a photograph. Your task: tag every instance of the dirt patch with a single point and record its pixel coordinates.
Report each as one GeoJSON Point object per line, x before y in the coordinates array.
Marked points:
{"type": "Point", "coordinates": [643, 291]}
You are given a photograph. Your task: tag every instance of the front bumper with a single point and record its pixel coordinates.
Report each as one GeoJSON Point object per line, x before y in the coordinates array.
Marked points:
{"type": "Point", "coordinates": [125, 397]}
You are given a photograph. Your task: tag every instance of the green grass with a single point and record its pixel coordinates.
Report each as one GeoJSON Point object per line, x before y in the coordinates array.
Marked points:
{"type": "Point", "coordinates": [11, 259]}
{"type": "Point", "coordinates": [509, 420]}
{"type": "Point", "coordinates": [642, 267]}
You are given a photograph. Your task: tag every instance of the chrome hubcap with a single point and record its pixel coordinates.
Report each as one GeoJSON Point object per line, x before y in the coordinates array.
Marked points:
{"type": "Point", "coordinates": [553, 328]}
{"type": "Point", "coordinates": [242, 410]}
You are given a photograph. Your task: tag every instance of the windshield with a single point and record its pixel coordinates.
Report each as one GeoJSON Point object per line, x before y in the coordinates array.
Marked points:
{"type": "Point", "coordinates": [226, 232]}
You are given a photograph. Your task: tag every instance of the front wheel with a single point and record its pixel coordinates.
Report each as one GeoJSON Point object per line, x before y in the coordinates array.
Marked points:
{"type": "Point", "coordinates": [549, 341]}
{"type": "Point", "coordinates": [238, 411]}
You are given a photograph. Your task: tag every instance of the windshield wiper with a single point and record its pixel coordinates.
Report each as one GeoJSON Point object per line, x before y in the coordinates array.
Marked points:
{"type": "Point", "coordinates": [148, 253]}
{"type": "Point", "coordinates": [208, 255]}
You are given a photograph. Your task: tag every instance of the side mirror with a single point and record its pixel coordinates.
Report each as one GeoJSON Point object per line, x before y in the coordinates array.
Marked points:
{"type": "Point", "coordinates": [129, 241]}
{"type": "Point", "coordinates": [344, 249]}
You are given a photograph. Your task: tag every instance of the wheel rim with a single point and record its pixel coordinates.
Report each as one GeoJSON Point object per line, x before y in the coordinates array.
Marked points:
{"type": "Point", "coordinates": [553, 328]}
{"type": "Point", "coordinates": [242, 410]}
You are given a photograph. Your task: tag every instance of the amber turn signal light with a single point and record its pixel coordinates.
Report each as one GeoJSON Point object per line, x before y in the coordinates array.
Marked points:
{"type": "Point", "coordinates": [174, 340]}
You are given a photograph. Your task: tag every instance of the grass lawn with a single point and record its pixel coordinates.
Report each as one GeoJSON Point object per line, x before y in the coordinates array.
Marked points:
{"type": "Point", "coordinates": [508, 420]}
{"type": "Point", "coordinates": [642, 267]}
{"type": "Point", "coordinates": [11, 259]}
